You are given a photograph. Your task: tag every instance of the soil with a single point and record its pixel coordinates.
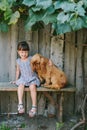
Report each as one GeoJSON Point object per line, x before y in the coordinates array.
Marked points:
{"type": "Point", "coordinates": [23, 122]}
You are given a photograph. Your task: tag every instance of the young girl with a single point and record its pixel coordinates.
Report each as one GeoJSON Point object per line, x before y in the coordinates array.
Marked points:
{"type": "Point", "coordinates": [26, 77]}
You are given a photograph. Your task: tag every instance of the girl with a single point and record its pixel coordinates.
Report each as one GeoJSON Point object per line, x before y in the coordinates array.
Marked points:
{"type": "Point", "coordinates": [26, 77]}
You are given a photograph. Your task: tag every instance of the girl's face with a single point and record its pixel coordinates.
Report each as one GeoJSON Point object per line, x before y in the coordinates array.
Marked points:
{"type": "Point", "coordinates": [23, 54]}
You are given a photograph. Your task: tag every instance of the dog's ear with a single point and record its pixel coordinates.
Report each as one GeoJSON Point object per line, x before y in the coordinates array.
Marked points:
{"type": "Point", "coordinates": [32, 64]}
{"type": "Point", "coordinates": [43, 64]}
{"type": "Point", "coordinates": [44, 61]}
{"type": "Point", "coordinates": [35, 59]}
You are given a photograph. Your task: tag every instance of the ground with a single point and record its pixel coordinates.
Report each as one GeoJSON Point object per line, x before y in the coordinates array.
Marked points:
{"type": "Point", "coordinates": [23, 122]}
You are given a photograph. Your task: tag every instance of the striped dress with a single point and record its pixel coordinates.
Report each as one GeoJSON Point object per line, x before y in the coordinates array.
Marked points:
{"type": "Point", "coordinates": [27, 76]}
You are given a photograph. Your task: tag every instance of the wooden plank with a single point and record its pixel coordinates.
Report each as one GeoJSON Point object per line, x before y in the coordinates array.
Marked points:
{"type": "Point", "coordinates": [9, 102]}
{"type": "Point", "coordinates": [34, 45]}
{"type": "Point", "coordinates": [60, 111]}
{"type": "Point", "coordinates": [79, 70]}
{"type": "Point", "coordinates": [79, 66]}
{"type": "Point", "coordinates": [4, 56]}
{"type": "Point", "coordinates": [44, 42]}
{"type": "Point", "coordinates": [6, 86]}
{"type": "Point", "coordinates": [13, 52]}
{"type": "Point", "coordinates": [84, 60]}
{"type": "Point", "coordinates": [28, 39]}
{"type": "Point", "coordinates": [41, 103]}
{"type": "Point", "coordinates": [57, 54]}
{"type": "Point", "coordinates": [85, 69]}
{"type": "Point", "coordinates": [70, 57]}
{"type": "Point", "coordinates": [68, 104]}
{"type": "Point", "coordinates": [21, 32]}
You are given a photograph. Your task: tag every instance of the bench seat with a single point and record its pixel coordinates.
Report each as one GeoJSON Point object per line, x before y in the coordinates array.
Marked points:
{"type": "Point", "coordinates": [8, 87]}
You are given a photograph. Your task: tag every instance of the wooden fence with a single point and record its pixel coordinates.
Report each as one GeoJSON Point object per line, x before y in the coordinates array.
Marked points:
{"type": "Point", "coordinates": [68, 52]}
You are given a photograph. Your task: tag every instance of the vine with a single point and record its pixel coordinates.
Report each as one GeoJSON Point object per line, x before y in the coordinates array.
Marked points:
{"type": "Point", "coordinates": [63, 15]}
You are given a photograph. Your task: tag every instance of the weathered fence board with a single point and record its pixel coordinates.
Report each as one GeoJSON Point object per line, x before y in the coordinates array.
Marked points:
{"type": "Point", "coordinates": [4, 56]}
{"type": "Point", "coordinates": [70, 57]}
{"type": "Point", "coordinates": [13, 53]}
{"type": "Point", "coordinates": [44, 42]}
{"type": "Point", "coordinates": [8, 102]}
{"type": "Point", "coordinates": [79, 68]}
{"type": "Point", "coordinates": [57, 53]}
{"type": "Point", "coordinates": [34, 44]}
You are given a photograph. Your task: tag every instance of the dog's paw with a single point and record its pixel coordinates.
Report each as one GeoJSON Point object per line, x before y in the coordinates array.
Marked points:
{"type": "Point", "coordinates": [46, 84]}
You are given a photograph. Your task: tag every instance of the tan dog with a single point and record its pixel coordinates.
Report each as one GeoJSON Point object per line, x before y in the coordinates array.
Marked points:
{"type": "Point", "coordinates": [53, 76]}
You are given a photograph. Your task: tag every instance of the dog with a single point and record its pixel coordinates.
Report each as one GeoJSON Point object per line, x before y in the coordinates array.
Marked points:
{"type": "Point", "coordinates": [54, 77]}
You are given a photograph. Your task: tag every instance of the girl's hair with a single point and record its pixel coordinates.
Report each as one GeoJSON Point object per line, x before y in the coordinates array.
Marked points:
{"type": "Point", "coordinates": [23, 46]}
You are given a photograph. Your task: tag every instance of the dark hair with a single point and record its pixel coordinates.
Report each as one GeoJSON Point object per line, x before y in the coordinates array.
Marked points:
{"type": "Point", "coordinates": [23, 46]}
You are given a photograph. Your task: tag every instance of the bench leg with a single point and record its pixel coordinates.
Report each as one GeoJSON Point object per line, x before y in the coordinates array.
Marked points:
{"type": "Point", "coordinates": [60, 108]}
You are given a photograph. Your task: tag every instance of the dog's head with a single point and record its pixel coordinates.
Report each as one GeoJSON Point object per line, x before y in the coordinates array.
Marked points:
{"type": "Point", "coordinates": [35, 62]}
{"type": "Point", "coordinates": [39, 62]}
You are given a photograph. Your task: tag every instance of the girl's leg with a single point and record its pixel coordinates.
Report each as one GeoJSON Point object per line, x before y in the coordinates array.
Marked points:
{"type": "Point", "coordinates": [33, 92]}
{"type": "Point", "coordinates": [20, 97]}
{"type": "Point", "coordinates": [20, 93]}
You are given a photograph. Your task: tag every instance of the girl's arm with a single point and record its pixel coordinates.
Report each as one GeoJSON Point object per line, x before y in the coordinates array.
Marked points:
{"type": "Point", "coordinates": [17, 71]}
{"type": "Point", "coordinates": [17, 74]}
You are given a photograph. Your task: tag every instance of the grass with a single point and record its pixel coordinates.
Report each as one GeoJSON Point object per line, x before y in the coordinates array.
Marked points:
{"type": "Point", "coordinates": [59, 125]}
{"type": "Point", "coordinates": [4, 127]}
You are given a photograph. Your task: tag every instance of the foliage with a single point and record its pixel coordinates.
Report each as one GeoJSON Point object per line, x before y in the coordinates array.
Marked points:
{"type": "Point", "coordinates": [4, 127]}
{"type": "Point", "coordinates": [59, 125]}
{"type": "Point", "coordinates": [63, 15]}
{"type": "Point", "coordinates": [23, 125]}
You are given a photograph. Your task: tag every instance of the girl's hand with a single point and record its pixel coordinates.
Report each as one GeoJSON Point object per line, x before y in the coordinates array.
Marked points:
{"type": "Point", "coordinates": [13, 82]}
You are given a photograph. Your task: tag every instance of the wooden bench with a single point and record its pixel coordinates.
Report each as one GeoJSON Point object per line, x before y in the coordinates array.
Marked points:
{"type": "Point", "coordinates": [8, 87]}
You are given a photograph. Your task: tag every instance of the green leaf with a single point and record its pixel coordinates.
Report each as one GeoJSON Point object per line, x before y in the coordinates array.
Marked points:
{"type": "Point", "coordinates": [85, 3]}
{"type": "Point", "coordinates": [3, 27]}
{"type": "Point", "coordinates": [85, 21]}
{"type": "Point", "coordinates": [59, 125]}
{"type": "Point", "coordinates": [14, 18]}
{"type": "Point", "coordinates": [36, 8]}
{"type": "Point", "coordinates": [11, 2]}
{"type": "Point", "coordinates": [30, 23]}
{"type": "Point", "coordinates": [62, 17]}
{"type": "Point", "coordinates": [7, 14]}
{"type": "Point", "coordinates": [50, 10]}
{"type": "Point", "coordinates": [3, 6]}
{"type": "Point", "coordinates": [77, 23]}
{"type": "Point", "coordinates": [29, 2]}
{"type": "Point", "coordinates": [49, 18]}
{"type": "Point", "coordinates": [44, 4]}
{"type": "Point", "coordinates": [34, 17]}
{"type": "Point", "coordinates": [62, 28]}
{"type": "Point", "coordinates": [66, 6]}
{"type": "Point", "coordinates": [79, 9]}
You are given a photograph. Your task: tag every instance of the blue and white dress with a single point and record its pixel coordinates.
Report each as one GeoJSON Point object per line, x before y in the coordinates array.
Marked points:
{"type": "Point", "coordinates": [27, 76]}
